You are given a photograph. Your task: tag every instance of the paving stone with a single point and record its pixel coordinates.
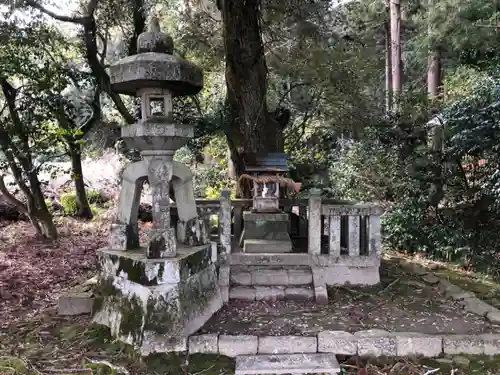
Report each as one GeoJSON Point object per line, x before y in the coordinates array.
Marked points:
{"type": "Point", "coordinates": [269, 277]}
{"type": "Point", "coordinates": [299, 277]}
{"type": "Point", "coordinates": [338, 342]}
{"type": "Point", "coordinates": [325, 363]}
{"type": "Point", "coordinates": [376, 343]}
{"type": "Point", "coordinates": [461, 295]}
{"type": "Point", "coordinates": [241, 277]}
{"type": "Point", "coordinates": [491, 343]}
{"type": "Point", "coordinates": [233, 346]}
{"type": "Point", "coordinates": [299, 294]}
{"type": "Point", "coordinates": [463, 344]}
{"type": "Point", "coordinates": [493, 316]}
{"type": "Point", "coordinates": [416, 344]}
{"type": "Point", "coordinates": [242, 292]}
{"type": "Point", "coordinates": [416, 284]}
{"type": "Point", "coordinates": [476, 306]}
{"type": "Point", "coordinates": [272, 293]}
{"type": "Point", "coordinates": [287, 344]}
{"type": "Point", "coordinates": [75, 304]}
{"type": "Point", "coordinates": [431, 279]}
{"type": "Point", "coordinates": [207, 344]}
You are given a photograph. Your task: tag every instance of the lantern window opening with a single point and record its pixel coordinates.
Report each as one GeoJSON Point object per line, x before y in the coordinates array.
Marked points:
{"type": "Point", "coordinates": [157, 106]}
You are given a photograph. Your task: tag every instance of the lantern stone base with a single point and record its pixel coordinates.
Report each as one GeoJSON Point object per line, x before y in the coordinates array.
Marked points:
{"type": "Point", "coordinates": [155, 304]}
{"type": "Point", "coordinates": [266, 233]}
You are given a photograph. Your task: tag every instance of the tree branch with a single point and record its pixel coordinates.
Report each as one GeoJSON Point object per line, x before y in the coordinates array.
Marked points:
{"type": "Point", "coordinates": [79, 20]}
{"type": "Point", "coordinates": [9, 198]}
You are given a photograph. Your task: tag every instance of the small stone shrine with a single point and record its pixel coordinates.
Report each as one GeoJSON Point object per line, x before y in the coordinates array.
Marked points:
{"type": "Point", "coordinates": [155, 297]}
{"type": "Point", "coordinates": [265, 226]}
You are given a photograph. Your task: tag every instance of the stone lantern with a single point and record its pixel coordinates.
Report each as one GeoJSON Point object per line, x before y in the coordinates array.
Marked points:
{"type": "Point", "coordinates": [154, 298]}
{"type": "Point", "coordinates": [155, 75]}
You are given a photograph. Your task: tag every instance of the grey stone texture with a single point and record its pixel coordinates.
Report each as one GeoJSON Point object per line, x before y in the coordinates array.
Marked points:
{"type": "Point", "coordinates": [251, 245]}
{"type": "Point", "coordinates": [416, 344]}
{"type": "Point", "coordinates": [463, 344]}
{"type": "Point", "coordinates": [287, 344]}
{"type": "Point", "coordinates": [269, 293]}
{"type": "Point", "coordinates": [314, 230]}
{"type": "Point", "coordinates": [303, 293]}
{"type": "Point", "coordinates": [338, 342]}
{"type": "Point", "coordinates": [155, 304]}
{"type": "Point", "coordinates": [269, 276]}
{"type": "Point", "coordinates": [242, 293]}
{"type": "Point", "coordinates": [75, 303]}
{"type": "Point", "coordinates": [207, 344]}
{"type": "Point", "coordinates": [375, 343]}
{"type": "Point", "coordinates": [491, 344]}
{"type": "Point", "coordinates": [233, 346]}
{"type": "Point", "coordinates": [287, 364]}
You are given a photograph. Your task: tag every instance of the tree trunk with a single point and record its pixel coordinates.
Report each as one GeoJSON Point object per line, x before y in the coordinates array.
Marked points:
{"type": "Point", "coordinates": [252, 130]}
{"type": "Point", "coordinates": [395, 7]}
{"type": "Point", "coordinates": [388, 67]}
{"type": "Point", "coordinates": [41, 211]}
{"type": "Point", "coordinates": [82, 202]}
{"type": "Point", "coordinates": [434, 74]}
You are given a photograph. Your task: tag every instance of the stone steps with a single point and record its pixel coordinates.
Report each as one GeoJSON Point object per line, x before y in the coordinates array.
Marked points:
{"type": "Point", "coordinates": [271, 283]}
{"type": "Point", "coordinates": [314, 363]}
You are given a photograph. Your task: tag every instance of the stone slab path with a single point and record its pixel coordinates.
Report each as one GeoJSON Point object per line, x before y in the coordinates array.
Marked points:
{"type": "Point", "coordinates": [287, 364]}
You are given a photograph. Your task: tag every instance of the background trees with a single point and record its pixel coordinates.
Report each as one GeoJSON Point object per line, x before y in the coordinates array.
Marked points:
{"type": "Point", "coordinates": [346, 89]}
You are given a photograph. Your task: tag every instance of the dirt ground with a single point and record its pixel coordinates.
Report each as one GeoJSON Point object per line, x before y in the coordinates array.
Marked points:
{"type": "Point", "coordinates": [35, 341]}
{"type": "Point", "coordinates": [403, 302]}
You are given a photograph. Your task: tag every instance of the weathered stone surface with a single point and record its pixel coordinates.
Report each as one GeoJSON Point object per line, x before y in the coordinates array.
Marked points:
{"type": "Point", "coordinates": [149, 272]}
{"type": "Point", "coordinates": [416, 344]}
{"type": "Point", "coordinates": [375, 343]}
{"type": "Point", "coordinates": [287, 364]}
{"type": "Point", "coordinates": [233, 346]}
{"type": "Point", "coordinates": [252, 245]}
{"type": "Point", "coordinates": [269, 276]}
{"type": "Point", "coordinates": [477, 306]}
{"type": "Point", "coordinates": [299, 293]}
{"type": "Point", "coordinates": [340, 275]}
{"type": "Point", "coordinates": [287, 344]}
{"type": "Point", "coordinates": [299, 276]}
{"type": "Point", "coordinates": [75, 303]}
{"type": "Point", "coordinates": [431, 279]}
{"type": "Point", "coordinates": [224, 275]}
{"type": "Point", "coordinates": [224, 292]}
{"type": "Point", "coordinates": [156, 317]}
{"type": "Point", "coordinates": [241, 278]}
{"type": "Point", "coordinates": [314, 222]}
{"type": "Point", "coordinates": [338, 342]}
{"type": "Point", "coordinates": [463, 344]}
{"type": "Point", "coordinates": [351, 209]}
{"type": "Point", "coordinates": [292, 259]}
{"type": "Point", "coordinates": [321, 295]}
{"type": "Point", "coordinates": [491, 343]}
{"type": "Point", "coordinates": [271, 293]}
{"type": "Point", "coordinates": [208, 344]}
{"type": "Point", "coordinates": [242, 292]}
{"type": "Point", "coordinates": [493, 316]}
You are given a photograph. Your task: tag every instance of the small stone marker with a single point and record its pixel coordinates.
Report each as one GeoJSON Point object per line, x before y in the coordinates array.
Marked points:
{"type": "Point", "coordinates": [75, 303]}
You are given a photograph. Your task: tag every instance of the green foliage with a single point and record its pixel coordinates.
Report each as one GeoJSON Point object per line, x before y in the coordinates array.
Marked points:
{"type": "Point", "coordinates": [68, 202]}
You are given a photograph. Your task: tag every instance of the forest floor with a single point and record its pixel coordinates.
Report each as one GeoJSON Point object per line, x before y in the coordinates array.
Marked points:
{"type": "Point", "coordinates": [34, 340]}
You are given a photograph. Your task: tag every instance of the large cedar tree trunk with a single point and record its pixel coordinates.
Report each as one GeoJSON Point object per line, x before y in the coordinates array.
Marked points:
{"type": "Point", "coordinates": [395, 9]}
{"type": "Point", "coordinates": [252, 130]}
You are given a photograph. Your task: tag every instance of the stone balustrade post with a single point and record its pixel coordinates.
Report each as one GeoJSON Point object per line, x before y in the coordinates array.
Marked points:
{"type": "Point", "coordinates": [225, 220]}
{"type": "Point", "coordinates": [315, 230]}
{"type": "Point", "coordinates": [374, 231]}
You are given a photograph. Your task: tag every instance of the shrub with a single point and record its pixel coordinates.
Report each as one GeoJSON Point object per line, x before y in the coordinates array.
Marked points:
{"type": "Point", "coordinates": [68, 201]}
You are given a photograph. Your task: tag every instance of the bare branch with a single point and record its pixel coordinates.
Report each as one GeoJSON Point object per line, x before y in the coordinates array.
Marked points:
{"type": "Point", "coordinates": [9, 198]}
{"type": "Point", "coordinates": [79, 20]}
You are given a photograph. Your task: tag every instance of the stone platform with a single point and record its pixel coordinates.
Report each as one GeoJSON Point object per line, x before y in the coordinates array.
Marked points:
{"type": "Point", "coordinates": [155, 304]}
{"type": "Point", "coordinates": [266, 233]}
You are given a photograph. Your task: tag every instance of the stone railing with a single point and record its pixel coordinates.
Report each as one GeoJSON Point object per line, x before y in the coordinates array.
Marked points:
{"type": "Point", "coordinates": [351, 229]}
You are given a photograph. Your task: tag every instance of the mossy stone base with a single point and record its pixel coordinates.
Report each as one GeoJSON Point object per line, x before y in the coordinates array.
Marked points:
{"type": "Point", "coordinates": [155, 304]}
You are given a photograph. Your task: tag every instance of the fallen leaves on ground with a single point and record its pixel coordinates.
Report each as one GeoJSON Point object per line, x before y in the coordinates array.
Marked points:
{"type": "Point", "coordinates": [34, 272]}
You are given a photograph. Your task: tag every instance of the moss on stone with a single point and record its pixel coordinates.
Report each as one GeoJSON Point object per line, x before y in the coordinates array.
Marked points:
{"type": "Point", "coordinates": [132, 318]}
{"type": "Point", "coordinates": [195, 263]}
{"type": "Point", "coordinates": [163, 314]}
